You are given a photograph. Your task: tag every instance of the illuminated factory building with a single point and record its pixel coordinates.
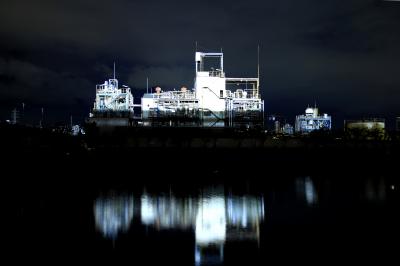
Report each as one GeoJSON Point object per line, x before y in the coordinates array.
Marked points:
{"type": "Point", "coordinates": [110, 97]}
{"type": "Point", "coordinates": [113, 106]}
{"type": "Point", "coordinates": [311, 121]}
{"type": "Point", "coordinates": [210, 100]}
{"type": "Point", "coordinates": [215, 100]}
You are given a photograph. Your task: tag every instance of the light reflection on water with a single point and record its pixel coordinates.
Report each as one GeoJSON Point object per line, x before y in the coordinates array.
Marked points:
{"type": "Point", "coordinates": [113, 215]}
{"type": "Point", "coordinates": [375, 189]}
{"type": "Point", "coordinates": [372, 189]}
{"type": "Point", "coordinates": [216, 217]}
{"type": "Point", "coordinates": [213, 216]}
{"type": "Point", "coordinates": [306, 190]}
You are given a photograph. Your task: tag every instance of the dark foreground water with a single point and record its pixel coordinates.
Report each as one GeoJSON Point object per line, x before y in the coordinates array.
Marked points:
{"type": "Point", "coordinates": [156, 197]}
{"type": "Point", "coordinates": [207, 216]}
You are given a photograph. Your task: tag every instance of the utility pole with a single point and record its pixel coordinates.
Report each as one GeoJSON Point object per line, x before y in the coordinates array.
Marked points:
{"type": "Point", "coordinates": [41, 120]}
{"type": "Point", "coordinates": [23, 114]}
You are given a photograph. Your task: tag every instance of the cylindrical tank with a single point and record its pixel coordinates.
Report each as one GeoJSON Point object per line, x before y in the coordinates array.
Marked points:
{"type": "Point", "coordinates": [366, 124]}
{"type": "Point", "coordinates": [309, 111]}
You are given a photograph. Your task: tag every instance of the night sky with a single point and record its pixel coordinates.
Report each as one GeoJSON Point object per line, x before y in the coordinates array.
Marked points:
{"type": "Point", "coordinates": [342, 54]}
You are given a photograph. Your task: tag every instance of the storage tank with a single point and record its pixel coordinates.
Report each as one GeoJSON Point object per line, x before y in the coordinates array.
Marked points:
{"type": "Point", "coordinates": [366, 124]}
{"type": "Point", "coordinates": [309, 111]}
{"type": "Point", "coordinates": [373, 128]}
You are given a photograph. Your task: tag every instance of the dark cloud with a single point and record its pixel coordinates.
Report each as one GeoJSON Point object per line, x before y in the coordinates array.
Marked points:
{"type": "Point", "coordinates": [25, 80]}
{"type": "Point", "coordinates": [341, 54]}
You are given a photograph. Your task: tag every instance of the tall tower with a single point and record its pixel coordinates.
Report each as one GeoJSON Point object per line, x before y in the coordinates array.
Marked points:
{"type": "Point", "coordinates": [210, 84]}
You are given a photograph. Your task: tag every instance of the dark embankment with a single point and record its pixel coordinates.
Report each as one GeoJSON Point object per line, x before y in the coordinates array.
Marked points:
{"type": "Point", "coordinates": [158, 153]}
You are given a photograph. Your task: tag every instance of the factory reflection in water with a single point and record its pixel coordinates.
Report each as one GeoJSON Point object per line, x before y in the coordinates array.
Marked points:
{"type": "Point", "coordinates": [223, 226]}
{"type": "Point", "coordinates": [213, 216]}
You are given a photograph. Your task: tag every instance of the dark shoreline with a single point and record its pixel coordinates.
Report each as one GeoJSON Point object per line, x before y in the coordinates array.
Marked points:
{"type": "Point", "coordinates": [180, 155]}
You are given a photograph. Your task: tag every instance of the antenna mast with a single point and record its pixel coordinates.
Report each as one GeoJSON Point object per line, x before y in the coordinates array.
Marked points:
{"type": "Point", "coordinates": [114, 69]}
{"type": "Point", "coordinates": [258, 70]}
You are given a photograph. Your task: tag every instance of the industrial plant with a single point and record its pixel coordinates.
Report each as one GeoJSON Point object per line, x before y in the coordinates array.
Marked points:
{"type": "Point", "coordinates": [311, 121]}
{"type": "Point", "coordinates": [216, 100]}
{"type": "Point", "coordinates": [113, 105]}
